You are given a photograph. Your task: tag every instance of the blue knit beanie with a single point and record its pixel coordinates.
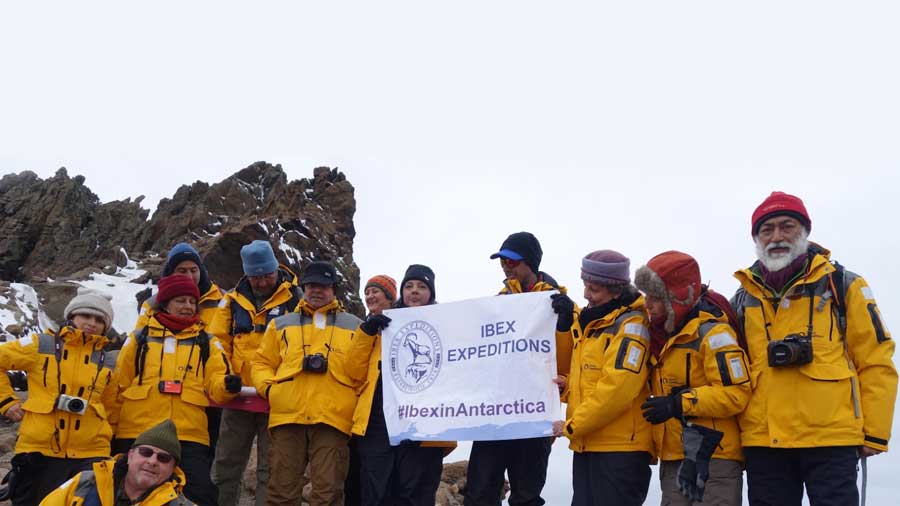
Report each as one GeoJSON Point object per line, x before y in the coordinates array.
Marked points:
{"type": "Point", "coordinates": [181, 252]}
{"type": "Point", "coordinates": [258, 258]}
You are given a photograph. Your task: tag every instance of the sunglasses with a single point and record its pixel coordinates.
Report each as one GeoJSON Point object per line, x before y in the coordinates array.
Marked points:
{"type": "Point", "coordinates": [162, 457]}
{"type": "Point", "coordinates": [509, 262]}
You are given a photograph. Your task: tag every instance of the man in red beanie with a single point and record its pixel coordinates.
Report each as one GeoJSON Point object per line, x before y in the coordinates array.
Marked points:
{"type": "Point", "coordinates": [823, 376]}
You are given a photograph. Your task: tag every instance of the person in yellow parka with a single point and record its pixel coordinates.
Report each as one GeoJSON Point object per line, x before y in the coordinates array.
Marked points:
{"type": "Point", "coordinates": [379, 293]}
{"type": "Point", "coordinates": [147, 475]}
{"type": "Point", "coordinates": [166, 372]}
{"type": "Point", "coordinates": [185, 261]}
{"type": "Point", "coordinates": [68, 419]}
{"type": "Point", "coordinates": [265, 292]}
{"type": "Point", "coordinates": [824, 382]}
{"type": "Point", "coordinates": [304, 367]}
{"type": "Point", "coordinates": [410, 472]}
{"type": "Point", "coordinates": [699, 381]}
{"type": "Point", "coordinates": [607, 384]}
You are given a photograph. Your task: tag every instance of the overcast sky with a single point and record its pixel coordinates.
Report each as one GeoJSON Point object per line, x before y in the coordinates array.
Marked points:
{"type": "Point", "coordinates": [639, 127]}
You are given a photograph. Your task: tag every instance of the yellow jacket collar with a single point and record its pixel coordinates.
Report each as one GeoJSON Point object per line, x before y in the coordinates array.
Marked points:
{"type": "Point", "coordinates": [304, 307]}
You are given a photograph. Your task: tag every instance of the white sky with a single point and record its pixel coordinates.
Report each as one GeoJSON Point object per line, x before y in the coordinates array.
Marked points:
{"type": "Point", "coordinates": [640, 127]}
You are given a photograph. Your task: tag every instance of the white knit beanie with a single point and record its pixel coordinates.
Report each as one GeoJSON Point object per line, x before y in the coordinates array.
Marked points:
{"type": "Point", "coordinates": [91, 302]}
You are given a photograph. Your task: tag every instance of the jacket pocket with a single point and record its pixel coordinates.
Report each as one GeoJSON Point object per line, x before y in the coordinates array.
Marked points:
{"type": "Point", "coordinates": [194, 395]}
{"type": "Point", "coordinates": [39, 404]}
{"type": "Point", "coordinates": [137, 392]}
{"type": "Point", "coordinates": [826, 393]}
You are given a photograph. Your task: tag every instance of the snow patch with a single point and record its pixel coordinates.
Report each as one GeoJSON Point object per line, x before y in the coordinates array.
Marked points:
{"type": "Point", "coordinates": [122, 291]}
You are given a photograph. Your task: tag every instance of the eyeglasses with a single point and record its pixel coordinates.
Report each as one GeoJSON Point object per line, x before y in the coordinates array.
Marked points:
{"type": "Point", "coordinates": [509, 262]}
{"type": "Point", "coordinates": [162, 457]}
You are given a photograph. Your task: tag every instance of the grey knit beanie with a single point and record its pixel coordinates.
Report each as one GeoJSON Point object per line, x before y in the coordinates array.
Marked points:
{"type": "Point", "coordinates": [91, 302]}
{"type": "Point", "coordinates": [606, 267]}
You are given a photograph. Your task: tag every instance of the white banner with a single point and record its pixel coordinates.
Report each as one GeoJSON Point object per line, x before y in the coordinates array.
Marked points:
{"type": "Point", "coordinates": [480, 369]}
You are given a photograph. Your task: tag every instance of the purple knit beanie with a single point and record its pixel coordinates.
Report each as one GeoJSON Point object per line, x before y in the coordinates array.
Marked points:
{"type": "Point", "coordinates": [606, 267]}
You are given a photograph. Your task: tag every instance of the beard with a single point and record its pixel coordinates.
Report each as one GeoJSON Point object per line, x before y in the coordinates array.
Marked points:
{"type": "Point", "coordinates": [774, 262]}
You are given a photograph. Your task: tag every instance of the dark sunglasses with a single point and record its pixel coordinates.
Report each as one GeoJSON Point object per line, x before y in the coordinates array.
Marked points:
{"type": "Point", "coordinates": [509, 262]}
{"type": "Point", "coordinates": [162, 457]}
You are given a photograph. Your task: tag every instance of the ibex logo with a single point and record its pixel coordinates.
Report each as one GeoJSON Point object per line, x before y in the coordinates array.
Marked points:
{"type": "Point", "coordinates": [415, 357]}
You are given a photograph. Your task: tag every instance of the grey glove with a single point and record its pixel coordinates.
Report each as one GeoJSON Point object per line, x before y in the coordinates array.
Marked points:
{"type": "Point", "coordinates": [699, 444]}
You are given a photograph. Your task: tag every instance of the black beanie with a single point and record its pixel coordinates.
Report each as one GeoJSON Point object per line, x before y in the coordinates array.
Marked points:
{"type": "Point", "coordinates": [522, 246]}
{"type": "Point", "coordinates": [421, 273]}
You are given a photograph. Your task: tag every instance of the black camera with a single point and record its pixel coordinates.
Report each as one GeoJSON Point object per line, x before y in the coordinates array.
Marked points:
{"type": "Point", "coordinates": [74, 405]}
{"type": "Point", "coordinates": [317, 363]}
{"type": "Point", "coordinates": [795, 349]}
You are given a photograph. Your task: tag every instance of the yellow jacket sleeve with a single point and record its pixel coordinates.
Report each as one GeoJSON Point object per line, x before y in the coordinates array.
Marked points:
{"type": "Point", "coordinates": [871, 349]}
{"type": "Point", "coordinates": [18, 355]}
{"type": "Point", "coordinates": [110, 400]}
{"type": "Point", "coordinates": [124, 375]}
{"type": "Point", "coordinates": [214, 373]}
{"type": "Point", "coordinates": [561, 339]}
{"type": "Point", "coordinates": [362, 346]}
{"type": "Point", "coordinates": [620, 381]}
{"type": "Point", "coordinates": [266, 361]}
{"type": "Point", "coordinates": [725, 367]}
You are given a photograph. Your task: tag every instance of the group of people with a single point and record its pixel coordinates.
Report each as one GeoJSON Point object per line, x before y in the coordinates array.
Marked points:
{"type": "Point", "coordinates": [791, 380]}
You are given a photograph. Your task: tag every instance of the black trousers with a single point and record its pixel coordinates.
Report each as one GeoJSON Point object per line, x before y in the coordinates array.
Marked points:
{"type": "Point", "coordinates": [610, 478]}
{"type": "Point", "coordinates": [40, 475]}
{"type": "Point", "coordinates": [196, 464]}
{"type": "Point", "coordinates": [777, 476]}
{"type": "Point", "coordinates": [524, 459]}
{"type": "Point", "coordinates": [404, 475]}
{"type": "Point", "coordinates": [351, 484]}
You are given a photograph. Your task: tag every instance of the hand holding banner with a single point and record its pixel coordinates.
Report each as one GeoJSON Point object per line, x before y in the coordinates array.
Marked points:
{"type": "Point", "coordinates": [479, 369]}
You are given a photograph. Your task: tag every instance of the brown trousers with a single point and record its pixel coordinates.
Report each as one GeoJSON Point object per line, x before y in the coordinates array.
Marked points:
{"type": "Point", "coordinates": [291, 448]}
{"type": "Point", "coordinates": [723, 488]}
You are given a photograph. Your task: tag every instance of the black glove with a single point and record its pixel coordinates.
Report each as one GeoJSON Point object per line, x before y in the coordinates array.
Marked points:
{"type": "Point", "coordinates": [565, 311]}
{"type": "Point", "coordinates": [699, 444]}
{"type": "Point", "coordinates": [232, 383]}
{"type": "Point", "coordinates": [659, 409]}
{"type": "Point", "coordinates": [374, 324]}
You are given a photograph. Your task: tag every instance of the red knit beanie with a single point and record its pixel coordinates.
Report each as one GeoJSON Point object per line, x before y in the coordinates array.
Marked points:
{"type": "Point", "coordinates": [384, 283]}
{"type": "Point", "coordinates": [175, 285]}
{"type": "Point", "coordinates": [674, 277]}
{"type": "Point", "coordinates": [780, 204]}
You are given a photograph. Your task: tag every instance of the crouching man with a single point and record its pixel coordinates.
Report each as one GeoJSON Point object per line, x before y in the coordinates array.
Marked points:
{"type": "Point", "coordinates": [148, 475]}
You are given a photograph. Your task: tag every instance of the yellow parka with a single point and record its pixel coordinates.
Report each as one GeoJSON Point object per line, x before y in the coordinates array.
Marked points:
{"type": "Point", "coordinates": [67, 362]}
{"type": "Point", "coordinates": [608, 382]}
{"type": "Point", "coordinates": [303, 397]}
{"type": "Point", "coordinates": [99, 482]}
{"type": "Point", "coordinates": [207, 306]}
{"type": "Point", "coordinates": [545, 283]}
{"type": "Point", "coordinates": [706, 351]}
{"type": "Point", "coordinates": [168, 358]}
{"type": "Point", "coordinates": [845, 397]}
{"type": "Point", "coordinates": [239, 325]}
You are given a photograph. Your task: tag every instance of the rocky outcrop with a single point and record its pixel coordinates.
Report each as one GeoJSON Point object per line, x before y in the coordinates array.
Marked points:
{"type": "Point", "coordinates": [57, 228]}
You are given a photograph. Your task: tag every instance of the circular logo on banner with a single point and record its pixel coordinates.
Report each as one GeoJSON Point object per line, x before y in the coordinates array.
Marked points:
{"type": "Point", "coordinates": [415, 357]}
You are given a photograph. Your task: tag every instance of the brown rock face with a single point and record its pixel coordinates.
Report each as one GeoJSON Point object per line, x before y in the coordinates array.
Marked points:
{"type": "Point", "coordinates": [58, 228]}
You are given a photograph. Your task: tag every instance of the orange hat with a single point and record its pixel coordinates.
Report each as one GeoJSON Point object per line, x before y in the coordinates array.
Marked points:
{"type": "Point", "coordinates": [384, 283]}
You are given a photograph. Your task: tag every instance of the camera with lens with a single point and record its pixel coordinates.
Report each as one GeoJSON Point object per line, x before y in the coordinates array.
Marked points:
{"type": "Point", "coordinates": [795, 349]}
{"type": "Point", "coordinates": [317, 363]}
{"type": "Point", "coordinates": [74, 405]}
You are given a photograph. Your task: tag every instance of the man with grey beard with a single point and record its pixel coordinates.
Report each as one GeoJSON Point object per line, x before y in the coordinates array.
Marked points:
{"type": "Point", "coordinates": [823, 378]}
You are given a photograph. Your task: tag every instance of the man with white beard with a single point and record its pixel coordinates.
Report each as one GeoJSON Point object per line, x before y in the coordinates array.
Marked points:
{"type": "Point", "coordinates": [824, 383]}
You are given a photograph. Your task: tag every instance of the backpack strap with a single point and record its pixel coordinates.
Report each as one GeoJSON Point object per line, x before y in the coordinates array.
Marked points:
{"type": "Point", "coordinates": [87, 489]}
{"type": "Point", "coordinates": [838, 282]}
{"type": "Point", "coordinates": [140, 354]}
